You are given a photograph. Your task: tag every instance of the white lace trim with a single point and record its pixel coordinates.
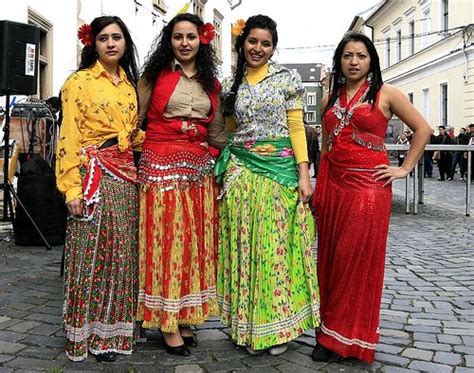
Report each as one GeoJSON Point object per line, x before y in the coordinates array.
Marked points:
{"type": "Point", "coordinates": [104, 331]}
{"type": "Point", "coordinates": [175, 305]}
{"type": "Point", "coordinates": [347, 341]}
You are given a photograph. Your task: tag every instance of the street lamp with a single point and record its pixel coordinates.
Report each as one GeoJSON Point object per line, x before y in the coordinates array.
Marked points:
{"type": "Point", "coordinates": [232, 5]}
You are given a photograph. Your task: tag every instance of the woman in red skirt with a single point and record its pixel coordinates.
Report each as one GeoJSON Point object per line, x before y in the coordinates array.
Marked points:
{"type": "Point", "coordinates": [178, 208]}
{"type": "Point", "coordinates": [353, 197]}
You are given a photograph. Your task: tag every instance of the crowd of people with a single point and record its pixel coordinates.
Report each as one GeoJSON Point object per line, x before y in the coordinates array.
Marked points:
{"type": "Point", "coordinates": [218, 216]}
{"type": "Point", "coordinates": [447, 161]}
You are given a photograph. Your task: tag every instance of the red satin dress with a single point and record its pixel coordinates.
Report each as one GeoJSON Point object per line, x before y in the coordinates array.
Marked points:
{"type": "Point", "coordinates": [352, 212]}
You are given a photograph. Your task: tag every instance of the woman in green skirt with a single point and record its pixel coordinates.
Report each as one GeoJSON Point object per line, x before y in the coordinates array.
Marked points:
{"type": "Point", "coordinates": [267, 285]}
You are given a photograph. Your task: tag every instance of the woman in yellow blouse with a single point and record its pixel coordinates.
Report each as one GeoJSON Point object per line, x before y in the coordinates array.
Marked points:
{"type": "Point", "coordinates": [95, 171]}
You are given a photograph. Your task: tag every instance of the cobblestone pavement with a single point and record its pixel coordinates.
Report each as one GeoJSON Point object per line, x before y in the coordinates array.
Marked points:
{"type": "Point", "coordinates": [426, 319]}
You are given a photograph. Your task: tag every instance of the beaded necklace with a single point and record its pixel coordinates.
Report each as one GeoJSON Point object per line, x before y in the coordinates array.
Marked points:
{"type": "Point", "coordinates": [345, 115]}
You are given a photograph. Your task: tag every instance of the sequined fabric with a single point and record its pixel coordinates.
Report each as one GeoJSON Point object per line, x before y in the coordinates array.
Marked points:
{"type": "Point", "coordinates": [353, 212]}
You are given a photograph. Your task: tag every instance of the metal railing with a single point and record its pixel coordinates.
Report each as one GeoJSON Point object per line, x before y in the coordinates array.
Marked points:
{"type": "Point", "coordinates": [419, 177]}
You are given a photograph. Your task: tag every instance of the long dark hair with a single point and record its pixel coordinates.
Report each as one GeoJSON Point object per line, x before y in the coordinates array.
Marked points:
{"type": "Point", "coordinates": [129, 59]}
{"type": "Point", "coordinates": [161, 55]}
{"type": "Point", "coordinates": [261, 22]}
{"type": "Point", "coordinates": [336, 84]}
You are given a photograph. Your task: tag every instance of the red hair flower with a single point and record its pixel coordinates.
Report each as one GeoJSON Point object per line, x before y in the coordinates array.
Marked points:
{"type": "Point", "coordinates": [206, 33]}
{"type": "Point", "coordinates": [85, 35]}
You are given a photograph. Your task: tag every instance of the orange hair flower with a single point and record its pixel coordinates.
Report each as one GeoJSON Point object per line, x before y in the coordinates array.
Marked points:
{"type": "Point", "coordinates": [238, 27]}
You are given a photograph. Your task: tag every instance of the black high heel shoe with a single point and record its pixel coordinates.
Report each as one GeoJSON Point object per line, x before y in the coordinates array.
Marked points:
{"type": "Point", "coordinates": [108, 357]}
{"type": "Point", "coordinates": [321, 353]}
{"type": "Point", "coordinates": [181, 350]}
{"type": "Point", "coordinates": [190, 341]}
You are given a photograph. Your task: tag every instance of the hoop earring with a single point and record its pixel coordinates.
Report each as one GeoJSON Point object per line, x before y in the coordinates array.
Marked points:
{"type": "Point", "coordinates": [341, 79]}
{"type": "Point", "coordinates": [370, 76]}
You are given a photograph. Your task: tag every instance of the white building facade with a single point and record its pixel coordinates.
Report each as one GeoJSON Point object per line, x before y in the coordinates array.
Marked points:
{"type": "Point", "coordinates": [60, 20]}
{"type": "Point", "coordinates": [426, 50]}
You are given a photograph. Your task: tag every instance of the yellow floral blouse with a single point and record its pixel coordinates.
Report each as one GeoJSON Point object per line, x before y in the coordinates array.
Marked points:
{"type": "Point", "coordinates": [94, 110]}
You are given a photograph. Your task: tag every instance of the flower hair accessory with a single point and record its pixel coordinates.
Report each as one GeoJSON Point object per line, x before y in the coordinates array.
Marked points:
{"type": "Point", "coordinates": [206, 33]}
{"type": "Point", "coordinates": [85, 35]}
{"type": "Point", "coordinates": [238, 27]}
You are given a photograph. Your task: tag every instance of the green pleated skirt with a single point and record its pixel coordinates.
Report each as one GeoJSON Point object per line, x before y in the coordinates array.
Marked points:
{"type": "Point", "coordinates": [267, 285]}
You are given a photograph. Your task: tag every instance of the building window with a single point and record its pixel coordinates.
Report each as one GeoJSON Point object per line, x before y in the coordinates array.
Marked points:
{"type": "Point", "coordinates": [426, 22]}
{"type": "Point", "coordinates": [45, 76]}
{"type": "Point", "coordinates": [444, 15]}
{"type": "Point", "coordinates": [387, 52]}
{"type": "Point", "coordinates": [159, 6]}
{"type": "Point", "coordinates": [444, 104]}
{"type": "Point", "coordinates": [217, 21]}
{"type": "Point", "coordinates": [311, 99]}
{"type": "Point", "coordinates": [311, 116]}
{"type": "Point", "coordinates": [410, 97]}
{"type": "Point", "coordinates": [425, 104]}
{"type": "Point", "coordinates": [198, 8]}
{"type": "Point", "coordinates": [399, 45]}
{"type": "Point", "coordinates": [411, 38]}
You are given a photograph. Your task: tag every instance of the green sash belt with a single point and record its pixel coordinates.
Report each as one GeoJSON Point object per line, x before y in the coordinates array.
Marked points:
{"type": "Point", "coordinates": [271, 158]}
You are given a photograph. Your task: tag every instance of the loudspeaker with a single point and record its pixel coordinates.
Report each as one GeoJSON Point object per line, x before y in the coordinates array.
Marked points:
{"type": "Point", "coordinates": [19, 55]}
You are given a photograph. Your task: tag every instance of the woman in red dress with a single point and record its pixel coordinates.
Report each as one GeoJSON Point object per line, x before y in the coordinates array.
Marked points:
{"type": "Point", "coordinates": [353, 197]}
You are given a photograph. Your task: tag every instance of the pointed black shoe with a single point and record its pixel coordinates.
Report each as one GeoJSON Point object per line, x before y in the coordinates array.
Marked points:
{"type": "Point", "coordinates": [321, 353]}
{"type": "Point", "coordinates": [190, 341]}
{"type": "Point", "coordinates": [108, 357]}
{"type": "Point", "coordinates": [177, 350]}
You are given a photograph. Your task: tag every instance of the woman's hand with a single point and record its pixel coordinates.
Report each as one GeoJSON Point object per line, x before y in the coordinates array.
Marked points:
{"type": "Point", "coordinates": [305, 190]}
{"type": "Point", "coordinates": [391, 173]}
{"type": "Point", "coordinates": [75, 207]}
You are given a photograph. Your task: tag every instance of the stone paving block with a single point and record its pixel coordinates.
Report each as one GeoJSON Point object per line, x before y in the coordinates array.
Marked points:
{"type": "Point", "coordinates": [9, 348]}
{"type": "Point", "coordinates": [433, 346]}
{"type": "Point", "coordinates": [389, 349]}
{"type": "Point", "coordinates": [9, 336]}
{"type": "Point", "coordinates": [263, 370]}
{"type": "Point", "coordinates": [47, 318]}
{"type": "Point", "coordinates": [21, 306]}
{"type": "Point", "coordinates": [447, 358]}
{"type": "Point", "coordinates": [291, 368]}
{"type": "Point", "coordinates": [463, 370]}
{"type": "Point", "coordinates": [424, 322]}
{"type": "Point", "coordinates": [392, 359]}
{"type": "Point", "coordinates": [464, 349]}
{"type": "Point", "coordinates": [429, 367]}
{"type": "Point", "coordinates": [42, 352]}
{"type": "Point", "coordinates": [23, 326]}
{"type": "Point", "coordinates": [8, 322]}
{"type": "Point", "coordinates": [4, 358]}
{"type": "Point", "coordinates": [37, 340]}
{"type": "Point", "coordinates": [210, 335]}
{"type": "Point", "coordinates": [188, 369]}
{"type": "Point", "coordinates": [469, 360]}
{"type": "Point", "coordinates": [449, 339]}
{"type": "Point", "coordinates": [418, 354]}
{"type": "Point", "coordinates": [301, 359]}
{"type": "Point", "coordinates": [388, 369]}
{"type": "Point", "coordinates": [394, 333]}
{"type": "Point", "coordinates": [262, 360]}
{"type": "Point", "coordinates": [45, 329]}
{"type": "Point", "coordinates": [228, 365]}
{"type": "Point", "coordinates": [460, 332]}
{"type": "Point", "coordinates": [48, 310]}
{"type": "Point", "coordinates": [423, 329]}
{"type": "Point", "coordinates": [425, 337]}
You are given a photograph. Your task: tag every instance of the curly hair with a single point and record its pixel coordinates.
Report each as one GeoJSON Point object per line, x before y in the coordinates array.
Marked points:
{"type": "Point", "coordinates": [261, 22]}
{"type": "Point", "coordinates": [336, 84]}
{"type": "Point", "coordinates": [129, 59]}
{"type": "Point", "coordinates": [161, 55]}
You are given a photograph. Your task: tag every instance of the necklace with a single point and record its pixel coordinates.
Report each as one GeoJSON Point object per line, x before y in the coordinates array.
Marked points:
{"type": "Point", "coordinates": [344, 116]}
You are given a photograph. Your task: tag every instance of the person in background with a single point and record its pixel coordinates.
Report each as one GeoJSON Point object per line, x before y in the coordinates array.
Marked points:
{"type": "Point", "coordinates": [445, 158]}
{"type": "Point", "coordinates": [95, 171]}
{"type": "Point", "coordinates": [428, 157]}
{"type": "Point", "coordinates": [461, 139]}
{"type": "Point", "coordinates": [353, 197]}
{"type": "Point", "coordinates": [312, 147]}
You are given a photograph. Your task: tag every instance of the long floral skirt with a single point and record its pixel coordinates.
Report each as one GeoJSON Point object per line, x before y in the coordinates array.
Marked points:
{"type": "Point", "coordinates": [178, 254]}
{"type": "Point", "coordinates": [100, 282]}
{"type": "Point", "coordinates": [267, 285]}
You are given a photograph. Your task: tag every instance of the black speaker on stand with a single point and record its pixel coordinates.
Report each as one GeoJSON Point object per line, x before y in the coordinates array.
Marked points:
{"type": "Point", "coordinates": [19, 55]}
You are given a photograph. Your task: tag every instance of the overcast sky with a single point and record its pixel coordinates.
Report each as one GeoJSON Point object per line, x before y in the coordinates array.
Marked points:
{"type": "Point", "coordinates": [306, 23]}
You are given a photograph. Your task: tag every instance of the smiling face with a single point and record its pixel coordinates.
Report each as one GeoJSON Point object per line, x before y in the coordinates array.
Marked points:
{"type": "Point", "coordinates": [355, 61]}
{"type": "Point", "coordinates": [110, 44]}
{"type": "Point", "coordinates": [185, 41]}
{"type": "Point", "coordinates": [258, 47]}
